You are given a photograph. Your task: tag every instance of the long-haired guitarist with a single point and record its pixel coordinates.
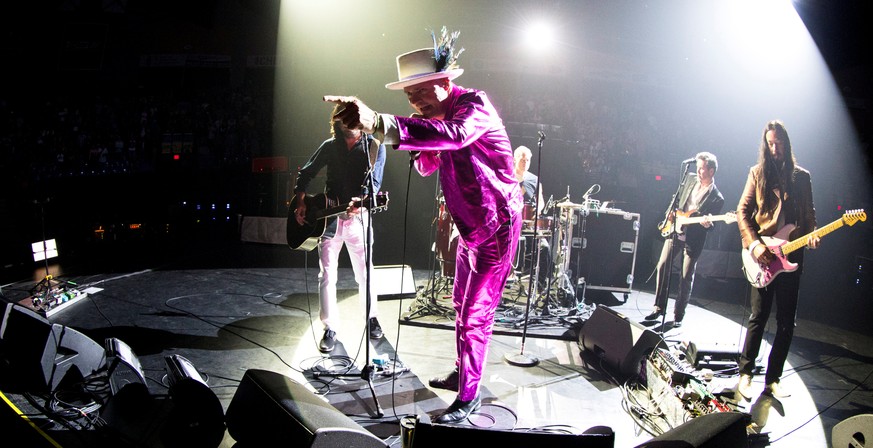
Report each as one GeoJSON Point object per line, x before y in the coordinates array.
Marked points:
{"type": "Point", "coordinates": [345, 155]}
{"type": "Point", "coordinates": [778, 192]}
{"type": "Point", "coordinates": [700, 197]}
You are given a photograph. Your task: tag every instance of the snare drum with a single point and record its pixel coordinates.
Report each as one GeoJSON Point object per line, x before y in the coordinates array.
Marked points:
{"type": "Point", "coordinates": [544, 224]}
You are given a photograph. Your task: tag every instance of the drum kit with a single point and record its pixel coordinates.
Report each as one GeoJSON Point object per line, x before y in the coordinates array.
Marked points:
{"type": "Point", "coordinates": [557, 230]}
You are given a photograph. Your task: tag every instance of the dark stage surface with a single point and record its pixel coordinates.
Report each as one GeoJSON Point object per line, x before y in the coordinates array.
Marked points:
{"type": "Point", "coordinates": [233, 307]}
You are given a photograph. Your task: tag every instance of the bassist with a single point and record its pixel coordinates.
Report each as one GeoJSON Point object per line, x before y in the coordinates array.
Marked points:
{"type": "Point", "coordinates": [778, 192]}
{"type": "Point", "coordinates": [345, 156]}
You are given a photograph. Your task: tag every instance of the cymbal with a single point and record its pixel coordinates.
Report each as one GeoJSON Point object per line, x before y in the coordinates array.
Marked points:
{"type": "Point", "coordinates": [568, 204]}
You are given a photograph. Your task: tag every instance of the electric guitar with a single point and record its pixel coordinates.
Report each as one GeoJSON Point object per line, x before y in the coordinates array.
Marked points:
{"type": "Point", "coordinates": [682, 218]}
{"type": "Point", "coordinates": [761, 275]}
{"type": "Point", "coordinates": [319, 208]}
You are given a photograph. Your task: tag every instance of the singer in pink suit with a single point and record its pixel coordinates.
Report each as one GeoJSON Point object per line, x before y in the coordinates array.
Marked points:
{"type": "Point", "coordinates": [458, 132]}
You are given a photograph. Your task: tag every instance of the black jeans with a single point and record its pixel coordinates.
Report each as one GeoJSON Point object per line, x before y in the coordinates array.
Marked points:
{"type": "Point", "coordinates": [784, 292]}
{"type": "Point", "coordinates": [686, 281]}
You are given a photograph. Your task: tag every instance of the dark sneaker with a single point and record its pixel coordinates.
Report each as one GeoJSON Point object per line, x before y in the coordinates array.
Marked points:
{"type": "Point", "coordinates": [375, 329]}
{"type": "Point", "coordinates": [328, 341]}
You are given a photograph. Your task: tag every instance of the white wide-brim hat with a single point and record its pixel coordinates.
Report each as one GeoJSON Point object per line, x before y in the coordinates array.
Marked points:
{"type": "Point", "coordinates": [419, 66]}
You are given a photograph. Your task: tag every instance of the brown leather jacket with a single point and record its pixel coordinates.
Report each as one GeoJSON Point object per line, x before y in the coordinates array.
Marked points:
{"type": "Point", "coordinates": [753, 222]}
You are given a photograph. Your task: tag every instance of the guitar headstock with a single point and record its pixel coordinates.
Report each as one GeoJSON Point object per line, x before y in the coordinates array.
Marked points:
{"type": "Point", "coordinates": [381, 202]}
{"type": "Point", "coordinates": [730, 217]}
{"type": "Point", "coordinates": [853, 216]}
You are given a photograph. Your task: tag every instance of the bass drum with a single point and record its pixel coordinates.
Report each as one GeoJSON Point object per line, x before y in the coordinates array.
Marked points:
{"type": "Point", "coordinates": [446, 241]}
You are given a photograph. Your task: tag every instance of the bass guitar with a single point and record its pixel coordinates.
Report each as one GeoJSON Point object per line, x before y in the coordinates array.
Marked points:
{"type": "Point", "coordinates": [683, 218]}
{"type": "Point", "coordinates": [761, 275]}
{"type": "Point", "coordinates": [319, 208]}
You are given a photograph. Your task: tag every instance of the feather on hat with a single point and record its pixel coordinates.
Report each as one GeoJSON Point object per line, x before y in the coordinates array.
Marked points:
{"type": "Point", "coordinates": [426, 64]}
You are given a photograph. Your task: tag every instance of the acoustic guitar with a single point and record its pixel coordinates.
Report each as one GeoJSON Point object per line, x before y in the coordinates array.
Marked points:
{"type": "Point", "coordinates": [320, 208]}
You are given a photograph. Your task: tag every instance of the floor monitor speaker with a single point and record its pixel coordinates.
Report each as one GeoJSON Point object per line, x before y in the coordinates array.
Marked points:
{"type": "Point", "coordinates": [37, 355]}
{"type": "Point", "coordinates": [854, 431]}
{"type": "Point", "coordinates": [270, 409]}
{"type": "Point", "coordinates": [715, 430]}
{"type": "Point", "coordinates": [425, 435]}
{"type": "Point", "coordinates": [622, 344]}
{"type": "Point", "coordinates": [196, 418]}
{"type": "Point", "coordinates": [124, 365]}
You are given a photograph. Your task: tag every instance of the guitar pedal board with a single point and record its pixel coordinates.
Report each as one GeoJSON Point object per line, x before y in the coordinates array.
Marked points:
{"type": "Point", "coordinates": [678, 393]}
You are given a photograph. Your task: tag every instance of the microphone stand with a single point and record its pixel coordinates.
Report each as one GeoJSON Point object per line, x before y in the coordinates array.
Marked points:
{"type": "Point", "coordinates": [367, 194]}
{"type": "Point", "coordinates": [668, 265]}
{"type": "Point", "coordinates": [521, 359]}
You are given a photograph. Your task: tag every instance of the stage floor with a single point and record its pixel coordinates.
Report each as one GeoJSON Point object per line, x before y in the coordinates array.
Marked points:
{"type": "Point", "coordinates": [253, 313]}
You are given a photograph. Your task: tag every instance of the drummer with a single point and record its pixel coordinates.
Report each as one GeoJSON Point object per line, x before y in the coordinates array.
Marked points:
{"type": "Point", "coordinates": [529, 183]}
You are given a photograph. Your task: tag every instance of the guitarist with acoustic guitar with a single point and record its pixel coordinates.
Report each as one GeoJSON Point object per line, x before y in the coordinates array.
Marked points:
{"type": "Point", "coordinates": [699, 197]}
{"type": "Point", "coordinates": [345, 155]}
{"type": "Point", "coordinates": [778, 193]}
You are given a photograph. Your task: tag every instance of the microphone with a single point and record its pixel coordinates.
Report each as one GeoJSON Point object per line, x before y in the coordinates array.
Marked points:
{"type": "Point", "coordinates": [542, 135]}
{"type": "Point", "coordinates": [687, 161]}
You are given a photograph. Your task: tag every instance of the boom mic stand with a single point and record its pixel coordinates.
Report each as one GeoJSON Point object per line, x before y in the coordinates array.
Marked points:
{"type": "Point", "coordinates": [368, 193]}
{"type": "Point", "coordinates": [521, 359]}
{"type": "Point", "coordinates": [668, 265]}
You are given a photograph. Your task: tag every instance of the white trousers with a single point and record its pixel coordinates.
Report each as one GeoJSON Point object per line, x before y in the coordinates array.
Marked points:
{"type": "Point", "coordinates": [351, 233]}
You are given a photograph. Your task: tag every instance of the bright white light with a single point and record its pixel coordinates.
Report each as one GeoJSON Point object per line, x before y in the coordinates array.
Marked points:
{"type": "Point", "coordinates": [43, 250]}
{"type": "Point", "coordinates": [539, 36]}
{"type": "Point", "coordinates": [767, 36]}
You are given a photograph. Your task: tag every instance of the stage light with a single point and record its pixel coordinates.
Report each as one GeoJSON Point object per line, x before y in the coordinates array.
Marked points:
{"type": "Point", "coordinates": [539, 37]}
{"type": "Point", "coordinates": [43, 250]}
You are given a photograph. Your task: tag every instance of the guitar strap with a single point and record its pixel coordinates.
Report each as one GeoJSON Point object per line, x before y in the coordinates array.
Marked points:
{"type": "Point", "coordinates": [372, 149]}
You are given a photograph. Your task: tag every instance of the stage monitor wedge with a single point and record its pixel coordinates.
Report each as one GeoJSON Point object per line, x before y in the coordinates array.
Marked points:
{"type": "Point", "coordinates": [622, 344]}
{"type": "Point", "coordinates": [270, 409]}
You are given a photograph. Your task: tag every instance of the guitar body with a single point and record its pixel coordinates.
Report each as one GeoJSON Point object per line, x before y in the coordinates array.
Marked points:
{"type": "Point", "coordinates": [306, 236]}
{"type": "Point", "coordinates": [318, 210]}
{"type": "Point", "coordinates": [668, 225]}
{"type": "Point", "coordinates": [762, 275]}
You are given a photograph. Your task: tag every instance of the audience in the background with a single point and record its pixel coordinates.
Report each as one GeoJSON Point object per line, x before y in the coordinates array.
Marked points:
{"type": "Point", "coordinates": [87, 135]}
{"type": "Point", "coordinates": [614, 135]}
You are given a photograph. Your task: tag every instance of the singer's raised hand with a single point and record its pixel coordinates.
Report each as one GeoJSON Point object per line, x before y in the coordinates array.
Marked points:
{"type": "Point", "coordinates": [353, 113]}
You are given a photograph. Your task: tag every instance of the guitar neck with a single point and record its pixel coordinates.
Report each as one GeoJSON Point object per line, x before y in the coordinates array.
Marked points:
{"type": "Point", "coordinates": [333, 211]}
{"type": "Point", "coordinates": [699, 219]}
{"type": "Point", "coordinates": [803, 241]}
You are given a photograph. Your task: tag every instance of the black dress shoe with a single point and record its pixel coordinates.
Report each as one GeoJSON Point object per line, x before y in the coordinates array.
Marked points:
{"type": "Point", "coordinates": [654, 314]}
{"type": "Point", "coordinates": [375, 329]}
{"type": "Point", "coordinates": [328, 341]}
{"type": "Point", "coordinates": [448, 382]}
{"type": "Point", "coordinates": [459, 410]}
